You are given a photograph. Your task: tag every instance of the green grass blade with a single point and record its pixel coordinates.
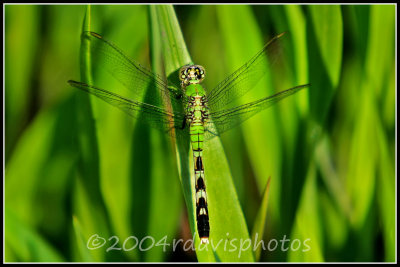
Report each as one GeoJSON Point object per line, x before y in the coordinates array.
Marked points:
{"type": "Point", "coordinates": [368, 160]}
{"type": "Point", "coordinates": [89, 204]}
{"type": "Point", "coordinates": [242, 39]}
{"type": "Point", "coordinates": [379, 52]}
{"type": "Point", "coordinates": [259, 224]}
{"type": "Point", "coordinates": [306, 238]}
{"type": "Point", "coordinates": [174, 58]}
{"type": "Point", "coordinates": [22, 204]}
{"type": "Point", "coordinates": [325, 39]}
{"type": "Point", "coordinates": [81, 243]}
{"type": "Point", "coordinates": [298, 36]}
{"type": "Point", "coordinates": [166, 202]}
{"type": "Point", "coordinates": [41, 164]}
{"type": "Point", "coordinates": [262, 139]}
{"type": "Point", "coordinates": [387, 197]}
{"type": "Point", "coordinates": [328, 27]}
{"type": "Point", "coordinates": [220, 190]}
{"type": "Point", "coordinates": [123, 145]}
{"type": "Point", "coordinates": [26, 243]}
{"type": "Point", "coordinates": [19, 90]}
{"type": "Point", "coordinates": [174, 47]}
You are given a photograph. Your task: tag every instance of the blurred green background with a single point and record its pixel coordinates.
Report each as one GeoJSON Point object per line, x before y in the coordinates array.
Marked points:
{"type": "Point", "coordinates": [329, 150]}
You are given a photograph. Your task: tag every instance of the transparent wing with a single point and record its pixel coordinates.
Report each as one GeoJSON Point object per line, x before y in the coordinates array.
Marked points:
{"type": "Point", "coordinates": [226, 119]}
{"type": "Point", "coordinates": [154, 116]}
{"type": "Point", "coordinates": [245, 78]}
{"type": "Point", "coordinates": [132, 75]}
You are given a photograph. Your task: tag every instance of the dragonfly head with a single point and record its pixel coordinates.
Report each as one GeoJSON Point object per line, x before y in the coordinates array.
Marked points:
{"type": "Point", "coordinates": [190, 74]}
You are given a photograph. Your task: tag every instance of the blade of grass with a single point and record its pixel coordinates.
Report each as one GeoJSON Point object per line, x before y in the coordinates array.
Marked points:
{"type": "Point", "coordinates": [165, 205]}
{"type": "Point", "coordinates": [325, 39]}
{"type": "Point", "coordinates": [92, 213]}
{"type": "Point", "coordinates": [26, 243]}
{"type": "Point", "coordinates": [21, 66]}
{"type": "Point", "coordinates": [297, 29]}
{"type": "Point", "coordinates": [362, 180]}
{"type": "Point", "coordinates": [42, 164]}
{"type": "Point", "coordinates": [81, 242]}
{"type": "Point", "coordinates": [387, 197]}
{"type": "Point", "coordinates": [220, 190]}
{"type": "Point", "coordinates": [242, 39]}
{"type": "Point", "coordinates": [306, 229]}
{"type": "Point", "coordinates": [328, 27]}
{"type": "Point", "coordinates": [22, 186]}
{"type": "Point", "coordinates": [380, 49]}
{"type": "Point", "coordinates": [259, 224]}
{"type": "Point", "coordinates": [127, 162]}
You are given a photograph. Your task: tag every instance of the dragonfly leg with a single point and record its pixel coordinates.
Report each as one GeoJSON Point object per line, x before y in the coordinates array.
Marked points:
{"type": "Point", "coordinates": [183, 124]}
{"type": "Point", "coordinates": [175, 91]}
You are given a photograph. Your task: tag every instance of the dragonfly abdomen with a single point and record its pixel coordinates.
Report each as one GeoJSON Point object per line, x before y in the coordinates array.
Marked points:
{"type": "Point", "coordinates": [203, 225]}
{"type": "Point", "coordinates": [196, 137]}
{"type": "Point", "coordinates": [196, 131]}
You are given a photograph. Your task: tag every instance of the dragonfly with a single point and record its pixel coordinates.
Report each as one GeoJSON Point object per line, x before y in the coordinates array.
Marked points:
{"type": "Point", "coordinates": [185, 109]}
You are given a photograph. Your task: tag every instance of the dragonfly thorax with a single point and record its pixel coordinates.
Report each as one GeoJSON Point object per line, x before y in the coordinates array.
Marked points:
{"type": "Point", "coordinates": [196, 109]}
{"type": "Point", "coordinates": [191, 74]}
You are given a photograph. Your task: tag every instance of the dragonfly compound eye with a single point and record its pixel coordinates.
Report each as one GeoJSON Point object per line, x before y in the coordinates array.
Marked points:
{"type": "Point", "coordinates": [201, 72]}
{"type": "Point", "coordinates": [183, 73]}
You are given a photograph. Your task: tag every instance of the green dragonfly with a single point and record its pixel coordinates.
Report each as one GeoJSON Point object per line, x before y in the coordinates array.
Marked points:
{"type": "Point", "coordinates": [185, 109]}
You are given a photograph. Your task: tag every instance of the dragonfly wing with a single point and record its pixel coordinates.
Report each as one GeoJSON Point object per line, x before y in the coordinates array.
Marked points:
{"type": "Point", "coordinates": [154, 116]}
{"type": "Point", "coordinates": [226, 119]}
{"type": "Point", "coordinates": [131, 74]}
{"type": "Point", "coordinates": [245, 78]}
{"type": "Point", "coordinates": [210, 131]}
